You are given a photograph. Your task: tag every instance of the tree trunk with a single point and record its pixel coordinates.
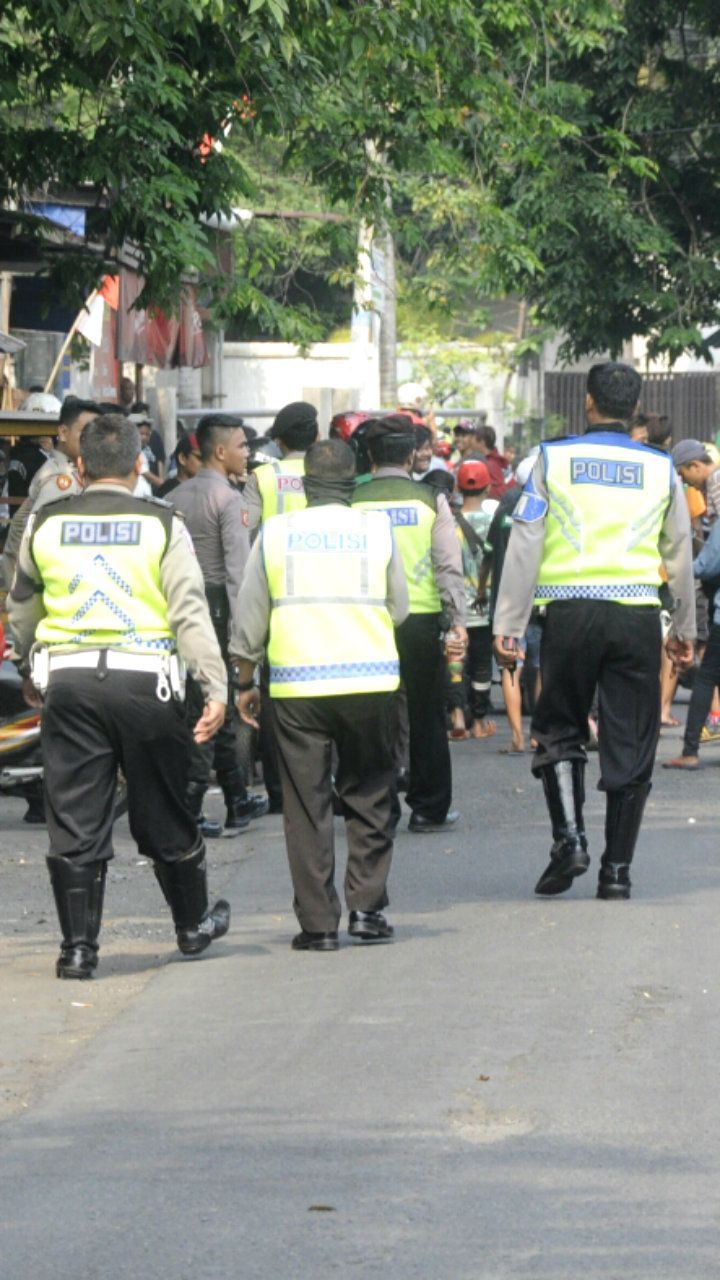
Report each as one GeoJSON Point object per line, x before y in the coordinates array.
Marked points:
{"type": "Point", "coordinates": [388, 326]}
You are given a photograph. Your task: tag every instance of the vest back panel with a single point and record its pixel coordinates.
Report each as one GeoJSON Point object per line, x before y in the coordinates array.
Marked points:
{"type": "Point", "coordinates": [330, 630]}
{"type": "Point", "coordinates": [412, 511]}
{"type": "Point", "coordinates": [607, 500]}
{"type": "Point", "coordinates": [99, 555]}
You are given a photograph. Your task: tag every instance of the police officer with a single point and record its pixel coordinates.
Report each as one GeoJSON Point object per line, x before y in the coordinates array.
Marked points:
{"type": "Point", "coordinates": [425, 533]}
{"type": "Point", "coordinates": [216, 518]}
{"type": "Point", "coordinates": [326, 583]}
{"type": "Point", "coordinates": [108, 591]}
{"type": "Point", "coordinates": [596, 517]}
{"type": "Point", "coordinates": [56, 478]}
{"type": "Point", "coordinates": [277, 487]}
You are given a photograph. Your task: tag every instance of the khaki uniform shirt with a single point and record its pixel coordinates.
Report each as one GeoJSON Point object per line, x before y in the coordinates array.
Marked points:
{"type": "Point", "coordinates": [57, 478]}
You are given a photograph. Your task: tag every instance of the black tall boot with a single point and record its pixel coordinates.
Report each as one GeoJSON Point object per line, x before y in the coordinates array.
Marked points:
{"type": "Point", "coordinates": [242, 807]}
{"type": "Point", "coordinates": [207, 827]}
{"type": "Point", "coordinates": [623, 817]}
{"type": "Point", "coordinates": [564, 785]}
{"type": "Point", "coordinates": [184, 885]}
{"type": "Point", "coordinates": [79, 892]}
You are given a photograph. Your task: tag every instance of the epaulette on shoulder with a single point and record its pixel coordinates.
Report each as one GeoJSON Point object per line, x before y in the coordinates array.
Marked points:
{"type": "Point", "coordinates": [56, 502]}
{"type": "Point", "coordinates": [158, 502]}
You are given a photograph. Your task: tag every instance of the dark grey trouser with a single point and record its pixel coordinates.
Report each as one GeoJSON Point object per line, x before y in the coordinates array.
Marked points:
{"type": "Point", "coordinates": [358, 726]}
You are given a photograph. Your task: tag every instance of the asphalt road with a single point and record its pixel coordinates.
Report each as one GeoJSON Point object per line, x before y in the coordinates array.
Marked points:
{"type": "Point", "coordinates": [516, 1088]}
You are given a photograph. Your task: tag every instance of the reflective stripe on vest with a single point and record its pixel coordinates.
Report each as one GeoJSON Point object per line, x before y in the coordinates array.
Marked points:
{"type": "Point", "coordinates": [101, 575]}
{"type": "Point", "coordinates": [330, 630]}
{"type": "Point", "coordinates": [412, 519]}
{"type": "Point", "coordinates": [281, 486]}
{"type": "Point", "coordinates": [607, 499]}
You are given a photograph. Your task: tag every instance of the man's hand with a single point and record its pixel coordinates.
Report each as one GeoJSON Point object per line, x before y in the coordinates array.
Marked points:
{"type": "Point", "coordinates": [30, 693]}
{"type": "Point", "coordinates": [680, 652]}
{"type": "Point", "coordinates": [456, 642]}
{"type": "Point", "coordinates": [210, 721]}
{"type": "Point", "coordinates": [248, 705]}
{"type": "Point", "coordinates": [507, 651]}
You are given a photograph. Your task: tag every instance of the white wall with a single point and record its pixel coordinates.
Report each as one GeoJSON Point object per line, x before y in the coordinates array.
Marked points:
{"type": "Point", "coordinates": [267, 375]}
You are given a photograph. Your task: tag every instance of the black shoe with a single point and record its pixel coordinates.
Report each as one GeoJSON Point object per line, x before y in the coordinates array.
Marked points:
{"type": "Point", "coordinates": [209, 828]}
{"type": "Point", "coordinates": [370, 926]}
{"type": "Point", "coordinates": [275, 804]}
{"type": "Point", "coordinates": [402, 780]}
{"type": "Point", "coordinates": [614, 881]}
{"type": "Point", "coordinates": [79, 893]}
{"type": "Point", "coordinates": [240, 813]}
{"type": "Point", "coordinates": [423, 826]}
{"type": "Point", "coordinates": [214, 925]}
{"type": "Point", "coordinates": [567, 861]}
{"type": "Point", "coordinates": [315, 942]}
{"type": "Point", "coordinates": [35, 813]}
{"type": "Point", "coordinates": [77, 962]}
{"type": "Point", "coordinates": [184, 886]}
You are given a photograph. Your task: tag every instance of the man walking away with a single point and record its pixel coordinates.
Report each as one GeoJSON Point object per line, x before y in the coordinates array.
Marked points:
{"type": "Point", "coordinates": [327, 584]}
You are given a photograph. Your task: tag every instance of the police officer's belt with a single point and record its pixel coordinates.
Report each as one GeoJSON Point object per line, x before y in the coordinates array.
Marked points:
{"type": "Point", "coordinates": [114, 661]}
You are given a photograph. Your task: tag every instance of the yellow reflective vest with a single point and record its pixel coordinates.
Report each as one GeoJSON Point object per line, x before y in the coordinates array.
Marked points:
{"type": "Point", "coordinates": [281, 486]}
{"type": "Point", "coordinates": [99, 556]}
{"type": "Point", "coordinates": [412, 511]}
{"type": "Point", "coordinates": [607, 500]}
{"type": "Point", "coordinates": [330, 629]}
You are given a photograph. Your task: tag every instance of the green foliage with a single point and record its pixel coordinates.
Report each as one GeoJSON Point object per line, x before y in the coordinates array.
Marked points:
{"type": "Point", "coordinates": [565, 153]}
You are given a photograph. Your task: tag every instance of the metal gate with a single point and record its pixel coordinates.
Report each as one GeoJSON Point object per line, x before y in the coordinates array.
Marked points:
{"type": "Point", "coordinates": [689, 401]}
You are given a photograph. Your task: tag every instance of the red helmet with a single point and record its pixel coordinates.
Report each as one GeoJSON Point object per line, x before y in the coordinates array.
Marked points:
{"type": "Point", "coordinates": [472, 476]}
{"type": "Point", "coordinates": [343, 425]}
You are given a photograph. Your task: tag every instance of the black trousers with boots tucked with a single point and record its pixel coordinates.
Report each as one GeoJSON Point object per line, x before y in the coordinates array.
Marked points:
{"type": "Point", "coordinates": [306, 731]}
{"type": "Point", "coordinates": [616, 648]}
{"type": "Point", "coordinates": [90, 726]}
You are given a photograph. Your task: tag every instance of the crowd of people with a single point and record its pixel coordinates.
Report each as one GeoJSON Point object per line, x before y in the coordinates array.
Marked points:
{"type": "Point", "coordinates": [338, 613]}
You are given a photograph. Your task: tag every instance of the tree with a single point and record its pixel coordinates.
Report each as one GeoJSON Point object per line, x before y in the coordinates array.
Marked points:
{"type": "Point", "coordinates": [568, 154]}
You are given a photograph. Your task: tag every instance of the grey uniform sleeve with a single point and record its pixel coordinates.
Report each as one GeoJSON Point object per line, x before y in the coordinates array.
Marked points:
{"type": "Point", "coordinates": [183, 587]}
{"type": "Point", "coordinates": [253, 502]}
{"type": "Point", "coordinates": [676, 552]}
{"type": "Point", "coordinates": [447, 562]}
{"type": "Point", "coordinates": [235, 544]}
{"type": "Point", "coordinates": [25, 602]}
{"type": "Point", "coordinates": [398, 603]}
{"type": "Point", "coordinates": [250, 618]}
{"type": "Point", "coordinates": [523, 558]}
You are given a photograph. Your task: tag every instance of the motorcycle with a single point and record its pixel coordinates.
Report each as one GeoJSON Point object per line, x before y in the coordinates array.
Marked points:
{"type": "Point", "coordinates": [21, 768]}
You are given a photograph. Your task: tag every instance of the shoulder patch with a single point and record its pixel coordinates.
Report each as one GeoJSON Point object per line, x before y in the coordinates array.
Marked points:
{"type": "Point", "coordinates": [63, 481]}
{"type": "Point", "coordinates": [531, 506]}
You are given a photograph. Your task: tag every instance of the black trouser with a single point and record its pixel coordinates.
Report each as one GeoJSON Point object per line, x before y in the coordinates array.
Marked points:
{"type": "Point", "coordinates": [306, 730]}
{"type": "Point", "coordinates": [221, 751]}
{"type": "Point", "coordinates": [616, 647]}
{"type": "Point", "coordinates": [473, 694]}
{"type": "Point", "coordinates": [91, 726]}
{"type": "Point", "coordinates": [706, 679]}
{"type": "Point", "coordinates": [423, 669]}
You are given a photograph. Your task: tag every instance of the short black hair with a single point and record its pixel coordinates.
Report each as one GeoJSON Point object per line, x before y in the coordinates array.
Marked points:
{"type": "Point", "coordinates": [330, 460]}
{"type": "Point", "coordinates": [109, 446]}
{"type": "Point", "coordinates": [72, 407]}
{"type": "Point", "coordinates": [391, 448]}
{"type": "Point", "coordinates": [487, 435]}
{"type": "Point", "coordinates": [214, 429]}
{"type": "Point", "coordinates": [423, 435]}
{"type": "Point", "coordinates": [615, 389]}
{"type": "Point", "coordinates": [298, 435]}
